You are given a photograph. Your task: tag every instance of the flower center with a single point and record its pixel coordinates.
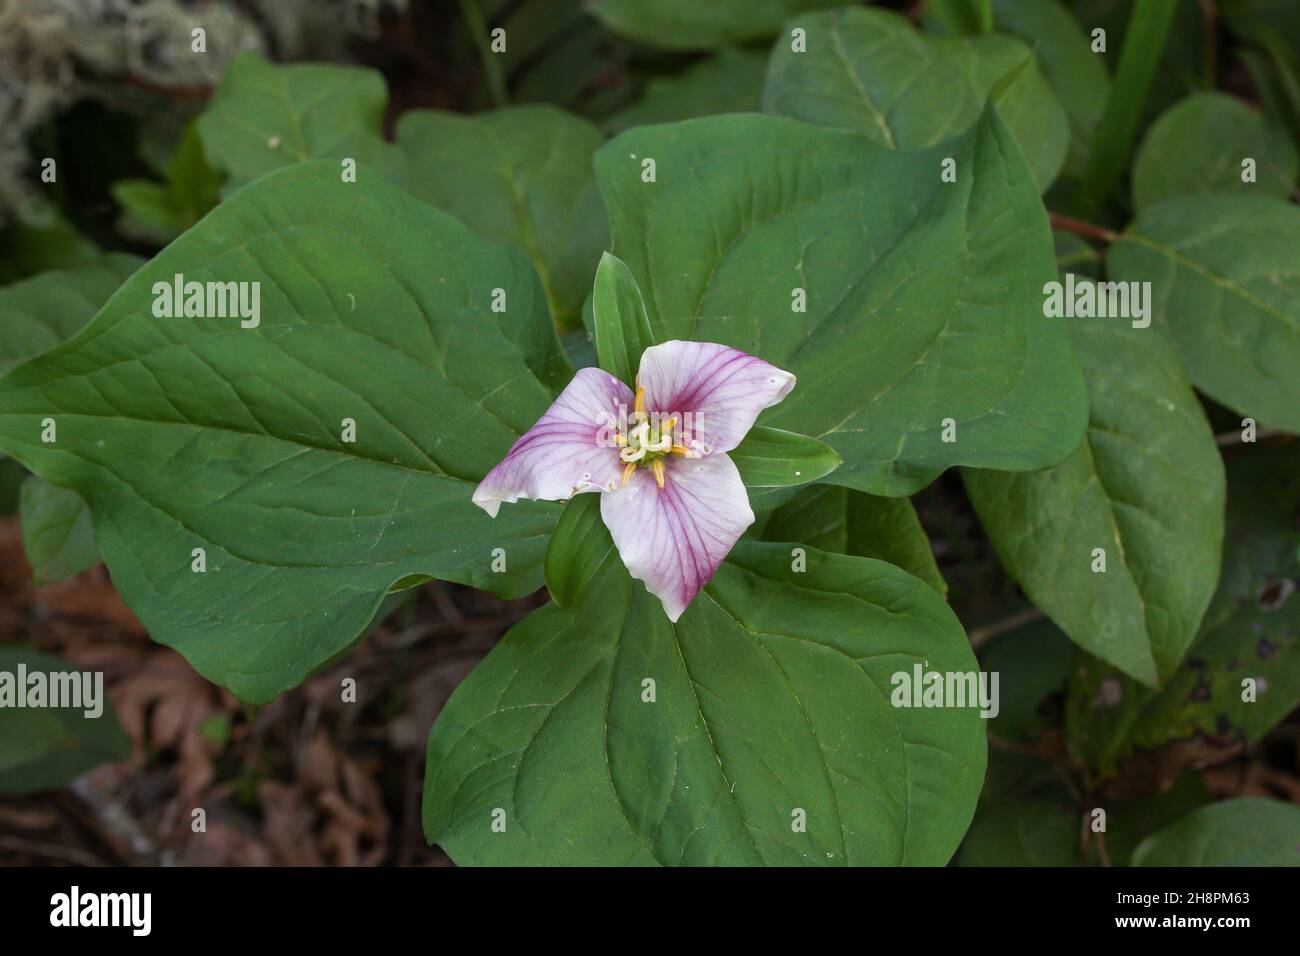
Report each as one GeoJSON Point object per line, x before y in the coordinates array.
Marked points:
{"type": "Point", "coordinates": [647, 441]}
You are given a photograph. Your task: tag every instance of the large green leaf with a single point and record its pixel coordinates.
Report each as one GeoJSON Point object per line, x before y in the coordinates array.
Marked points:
{"type": "Point", "coordinates": [923, 298]}
{"type": "Point", "coordinates": [869, 71]}
{"type": "Point", "coordinates": [1245, 832]}
{"type": "Point", "coordinates": [521, 174]}
{"type": "Point", "coordinates": [692, 25]}
{"type": "Point", "coordinates": [1225, 280]}
{"type": "Point", "coordinates": [37, 314]}
{"type": "Point", "coordinates": [1198, 145]}
{"type": "Point", "coordinates": [57, 535]}
{"type": "Point", "coordinates": [1146, 487]}
{"type": "Point", "coordinates": [730, 81]}
{"type": "Point", "coordinates": [263, 116]}
{"type": "Point", "coordinates": [186, 433]}
{"type": "Point", "coordinates": [771, 695]}
{"type": "Point", "coordinates": [1251, 631]}
{"type": "Point", "coordinates": [43, 748]}
{"type": "Point", "coordinates": [850, 522]}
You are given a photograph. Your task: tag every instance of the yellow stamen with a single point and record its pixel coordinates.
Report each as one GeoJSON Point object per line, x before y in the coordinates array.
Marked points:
{"type": "Point", "coordinates": [627, 472]}
{"type": "Point", "coordinates": [638, 405]}
{"type": "Point", "coordinates": [680, 450]}
{"type": "Point", "coordinates": [657, 467]}
{"type": "Point", "coordinates": [620, 440]}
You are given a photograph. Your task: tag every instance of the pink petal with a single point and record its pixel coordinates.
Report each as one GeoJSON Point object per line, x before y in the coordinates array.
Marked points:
{"type": "Point", "coordinates": [674, 538]}
{"type": "Point", "coordinates": [717, 391]}
{"type": "Point", "coordinates": [569, 451]}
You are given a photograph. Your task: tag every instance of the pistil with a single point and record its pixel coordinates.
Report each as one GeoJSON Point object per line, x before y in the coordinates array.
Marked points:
{"type": "Point", "coordinates": [647, 442]}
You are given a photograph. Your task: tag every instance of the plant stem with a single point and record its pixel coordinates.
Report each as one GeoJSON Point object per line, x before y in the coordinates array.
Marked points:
{"type": "Point", "coordinates": [982, 635]}
{"type": "Point", "coordinates": [1081, 228]}
{"type": "Point", "coordinates": [1210, 34]}
{"type": "Point", "coordinates": [984, 15]}
{"type": "Point", "coordinates": [1148, 28]}
{"type": "Point", "coordinates": [1231, 439]}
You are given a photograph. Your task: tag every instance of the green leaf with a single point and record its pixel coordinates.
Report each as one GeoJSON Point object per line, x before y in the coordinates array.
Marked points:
{"type": "Point", "coordinates": [187, 433]}
{"type": "Point", "coordinates": [771, 696]}
{"type": "Point", "coordinates": [1255, 19]}
{"type": "Point", "coordinates": [160, 212]}
{"type": "Point", "coordinates": [850, 522]}
{"type": "Point", "coordinates": [923, 297]}
{"type": "Point", "coordinates": [37, 239]}
{"type": "Point", "coordinates": [521, 174]}
{"type": "Point", "coordinates": [147, 214]}
{"type": "Point", "coordinates": [1144, 41]}
{"type": "Point", "coordinates": [1146, 487]}
{"type": "Point", "coordinates": [1033, 663]}
{"type": "Point", "coordinates": [579, 546]}
{"type": "Point", "coordinates": [1251, 631]}
{"type": "Point", "coordinates": [1182, 66]}
{"type": "Point", "coordinates": [1245, 832]}
{"type": "Point", "coordinates": [57, 534]}
{"type": "Point", "coordinates": [1044, 828]}
{"type": "Point", "coordinates": [1131, 820]}
{"type": "Point", "coordinates": [1224, 274]}
{"type": "Point", "coordinates": [691, 25]}
{"type": "Point", "coordinates": [622, 329]}
{"type": "Point", "coordinates": [1198, 147]}
{"type": "Point", "coordinates": [869, 71]}
{"type": "Point", "coordinates": [37, 314]}
{"type": "Point", "coordinates": [263, 117]}
{"type": "Point", "coordinates": [492, 68]}
{"type": "Point", "coordinates": [772, 458]}
{"type": "Point", "coordinates": [1073, 254]}
{"type": "Point", "coordinates": [730, 81]}
{"type": "Point", "coordinates": [1077, 75]}
{"type": "Point", "coordinates": [44, 748]}
{"type": "Point", "coordinates": [959, 17]}
{"type": "Point", "coordinates": [1033, 831]}
{"type": "Point", "coordinates": [1275, 78]}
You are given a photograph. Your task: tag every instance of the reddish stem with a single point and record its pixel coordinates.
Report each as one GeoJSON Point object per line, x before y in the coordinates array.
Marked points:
{"type": "Point", "coordinates": [1079, 227]}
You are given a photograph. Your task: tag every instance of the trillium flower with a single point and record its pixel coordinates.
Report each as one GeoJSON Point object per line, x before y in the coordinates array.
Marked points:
{"type": "Point", "coordinates": [672, 499]}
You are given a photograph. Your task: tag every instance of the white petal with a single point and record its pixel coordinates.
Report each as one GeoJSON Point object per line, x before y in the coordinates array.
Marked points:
{"type": "Point", "coordinates": [569, 451]}
{"type": "Point", "coordinates": [674, 538]}
{"type": "Point", "coordinates": [716, 391]}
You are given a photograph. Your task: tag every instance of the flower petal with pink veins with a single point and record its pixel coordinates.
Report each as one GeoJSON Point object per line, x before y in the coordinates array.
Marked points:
{"type": "Point", "coordinates": [722, 390]}
{"type": "Point", "coordinates": [674, 538]}
{"type": "Point", "coordinates": [569, 451]}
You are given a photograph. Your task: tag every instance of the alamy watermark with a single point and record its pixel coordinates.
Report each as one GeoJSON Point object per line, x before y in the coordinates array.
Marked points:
{"type": "Point", "coordinates": [75, 908]}
{"type": "Point", "coordinates": [1098, 300]}
{"type": "Point", "coordinates": [208, 300]}
{"type": "Point", "coordinates": [948, 689]}
{"type": "Point", "coordinates": [38, 689]}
